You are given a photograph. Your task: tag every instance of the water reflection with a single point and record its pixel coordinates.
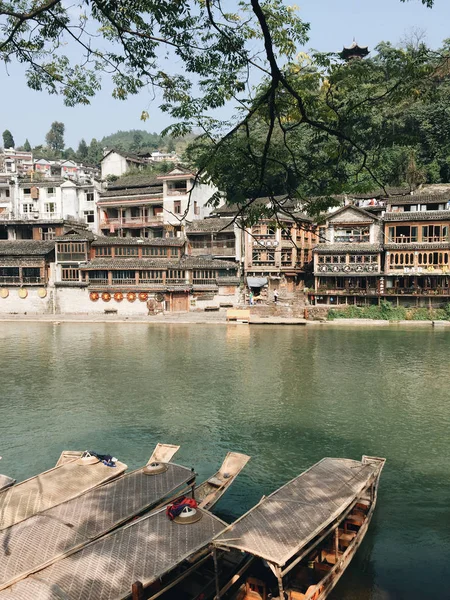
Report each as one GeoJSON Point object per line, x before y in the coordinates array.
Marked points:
{"type": "Point", "coordinates": [287, 396]}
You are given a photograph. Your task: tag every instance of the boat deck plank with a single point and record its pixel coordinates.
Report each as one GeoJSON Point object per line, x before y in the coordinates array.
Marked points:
{"type": "Point", "coordinates": [44, 538]}
{"type": "Point", "coordinates": [52, 487]}
{"type": "Point", "coordinates": [144, 550]}
{"type": "Point", "coordinates": [285, 521]}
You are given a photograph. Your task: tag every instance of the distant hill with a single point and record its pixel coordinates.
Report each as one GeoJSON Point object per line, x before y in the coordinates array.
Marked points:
{"type": "Point", "coordinates": [139, 140]}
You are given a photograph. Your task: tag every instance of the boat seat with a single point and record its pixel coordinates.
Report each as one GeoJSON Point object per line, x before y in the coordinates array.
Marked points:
{"type": "Point", "coordinates": [363, 505]}
{"type": "Point", "coordinates": [345, 539]}
{"type": "Point", "coordinates": [329, 557]}
{"type": "Point", "coordinates": [356, 519]}
{"type": "Point", "coordinates": [293, 595]}
{"type": "Point", "coordinates": [216, 481]}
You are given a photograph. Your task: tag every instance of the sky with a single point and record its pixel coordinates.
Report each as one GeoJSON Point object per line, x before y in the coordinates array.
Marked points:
{"type": "Point", "coordinates": [334, 23]}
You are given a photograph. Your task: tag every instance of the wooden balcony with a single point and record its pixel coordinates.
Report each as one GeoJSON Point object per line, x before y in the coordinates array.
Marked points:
{"type": "Point", "coordinates": [142, 221]}
{"type": "Point", "coordinates": [22, 280]}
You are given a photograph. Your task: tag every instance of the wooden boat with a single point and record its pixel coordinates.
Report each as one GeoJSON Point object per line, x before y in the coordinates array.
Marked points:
{"type": "Point", "coordinates": [66, 456]}
{"type": "Point", "coordinates": [152, 552]}
{"type": "Point", "coordinates": [52, 534]}
{"type": "Point", "coordinates": [211, 491]}
{"type": "Point", "coordinates": [6, 482]}
{"type": "Point", "coordinates": [306, 533]}
{"type": "Point", "coordinates": [50, 488]}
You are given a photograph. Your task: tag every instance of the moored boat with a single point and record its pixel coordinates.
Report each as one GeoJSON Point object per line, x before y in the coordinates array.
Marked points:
{"type": "Point", "coordinates": [300, 539]}
{"type": "Point", "coordinates": [44, 538]}
{"type": "Point", "coordinates": [152, 552]}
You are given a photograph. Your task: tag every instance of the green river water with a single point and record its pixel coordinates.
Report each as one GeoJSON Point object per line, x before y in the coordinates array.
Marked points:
{"type": "Point", "coordinates": [288, 396]}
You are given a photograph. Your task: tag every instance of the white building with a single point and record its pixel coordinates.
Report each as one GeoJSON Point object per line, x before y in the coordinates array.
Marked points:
{"type": "Point", "coordinates": [52, 199]}
{"type": "Point", "coordinates": [16, 162]}
{"type": "Point", "coordinates": [117, 163]}
{"type": "Point", "coordinates": [185, 199]}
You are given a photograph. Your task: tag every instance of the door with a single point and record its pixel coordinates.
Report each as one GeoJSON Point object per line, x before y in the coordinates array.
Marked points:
{"type": "Point", "coordinates": [180, 302]}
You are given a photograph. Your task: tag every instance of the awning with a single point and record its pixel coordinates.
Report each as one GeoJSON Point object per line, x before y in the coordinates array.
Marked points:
{"type": "Point", "coordinates": [256, 282]}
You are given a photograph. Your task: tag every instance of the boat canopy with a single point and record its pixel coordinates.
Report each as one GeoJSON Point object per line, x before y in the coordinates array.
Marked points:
{"type": "Point", "coordinates": [279, 526]}
{"type": "Point", "coordinates": [44, 491]}
{"type": "Point", "coordinates": [50, 535]}
{"type": "Point", "coordinates": [145, 550]}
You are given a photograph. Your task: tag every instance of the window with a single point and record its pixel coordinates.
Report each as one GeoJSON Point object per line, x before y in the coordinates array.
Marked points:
{"type": "Point", "coordinates": [71, 247]}
{"type": "Point", "coordinates": [27, 208]}
{"type": "Point", "coordinates": [173, 252]}
{"type": "Point", "coordinates": [175, 274]}
{"type": "Point", "coordinates": [51, 191]}
{"type": "Point", "coordinates": [126, 251]}
{"type": "Point", "coordinates": [286, 256]}
{"type": "Point", "coordinates": [48, 233]}
{"type": "Point", "coordinates": [69, 273]}
{"type": "Point", "coordinates": [153, 275]}
{"type": "Point", "coordinates": [50, 207]}
{"type": "Point", "coordinates": [27, 191]}
{"type": "Point", "coordinates": [89, 216]}
{"type": "Point", "coordinates": [177, 207]}
{"type": "Point", "coordinates": [204, 274]}
{"type": "Point", "coordinates": [7, 193]}
{"type": "Point", "coordinates": [105, 251]}
{"type": "Point", "coordinates": [89, 196]}
{"type": "Point", "coordinates": [154, 251]}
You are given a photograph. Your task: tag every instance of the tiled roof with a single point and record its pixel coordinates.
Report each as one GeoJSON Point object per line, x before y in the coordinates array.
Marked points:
{"type": "Point", "coordinates": [26, 248]}
{"type": "Point", "coordinates": [190, 262]}
{"type": "Point", "coordinates": [212, 224]}
{"type": "Point", "coordinates": [130, 241]}
{"type": "Point", "coordinates": [428, 215]}
{"type": "Point", "coordinates": [380, 193]}
{"type": "Point", "coordinates": [350, 207]}
{"type": "Point", "coordinates": [340, 248]}
{"type": "Point", "coordinates": [155, 191]}
{"type": "Point", "coordinates": [420, 199]}
{"type": "Point", "coordinates": [135, 180]}
{"type": "Point", "coordinates": [127, 155]}
{"type": "Point", "coordinates": [87, 235]}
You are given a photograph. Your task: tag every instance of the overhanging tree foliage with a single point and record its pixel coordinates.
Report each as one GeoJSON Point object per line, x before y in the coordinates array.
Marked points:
{"type": "Point", "coordinates": [8, 140]}
{"type": "Point", "coordinates": [221, 54]}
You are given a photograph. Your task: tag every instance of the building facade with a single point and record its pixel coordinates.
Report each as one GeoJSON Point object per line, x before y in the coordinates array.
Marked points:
{"type": "Point", "coordinates": [348, 258]}
{"type": "Point", "coordinates": [417, 250]}
{"type": "Point", "coordinates": [278, 254]}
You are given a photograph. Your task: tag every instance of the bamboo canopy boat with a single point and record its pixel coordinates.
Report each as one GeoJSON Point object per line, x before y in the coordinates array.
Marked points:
{"type": "Point", "coordinates": [307, 532]}
{"type": "Point", "coordinates": [50, 488]}
{"type": "Point", "coordinates": [6, 482]}
{"type": "Point", "coordinates": [142, 554]}
{"type": "Point", "coordinates": [52, 534]}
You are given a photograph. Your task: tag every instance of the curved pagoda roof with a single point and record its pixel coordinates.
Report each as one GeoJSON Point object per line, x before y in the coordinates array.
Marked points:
{"type": "Point", "coordinates": [354, 51]}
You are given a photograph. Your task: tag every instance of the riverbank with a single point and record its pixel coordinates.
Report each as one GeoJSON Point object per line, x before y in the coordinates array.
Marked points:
{"type": "Point", "coordinates": [214, 318]}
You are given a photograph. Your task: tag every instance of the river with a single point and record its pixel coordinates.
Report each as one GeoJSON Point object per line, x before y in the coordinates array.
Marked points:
{"type": "Point", "coordinates": [288, 396]}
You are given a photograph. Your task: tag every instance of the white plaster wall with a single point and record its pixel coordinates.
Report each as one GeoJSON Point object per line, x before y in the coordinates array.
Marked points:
{"type": "Point", "coordinates": [31, 305]}
{"type": "Point", "coordinates": [113, 164]}
{"type": "Point", "coordinates": [77, 301]}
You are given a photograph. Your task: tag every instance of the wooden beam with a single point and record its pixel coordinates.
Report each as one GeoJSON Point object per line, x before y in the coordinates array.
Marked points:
{"type": "Point", "coordinates": [137, 591]}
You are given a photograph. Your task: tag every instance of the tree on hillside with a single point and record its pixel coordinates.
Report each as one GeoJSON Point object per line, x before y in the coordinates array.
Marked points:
{"type": "Point", "coordinates": [8, 140]}
{"type": "Point", "coordinates": [94, 152]}
{"type": "Point", "coordinates": [137, 141]}
{"type": "Point", "coordinates": [27, 146]}
{"type": "Point", "coordinates": [82, 151]}
{"type": "Point", "coordinates": [55, 137]}
{"type": "Point", "coordinates": [220, 54]}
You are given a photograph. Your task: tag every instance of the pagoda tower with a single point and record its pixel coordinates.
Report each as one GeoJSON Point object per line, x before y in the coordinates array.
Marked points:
{"type": "Point", "coordinates": [353, 52]}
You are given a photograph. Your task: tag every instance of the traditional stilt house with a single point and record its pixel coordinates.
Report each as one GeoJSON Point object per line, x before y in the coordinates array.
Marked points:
{"type": "Point", "coordinates": [417, 249]}
{"type": "Point", "coordinates": [347, 260]}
